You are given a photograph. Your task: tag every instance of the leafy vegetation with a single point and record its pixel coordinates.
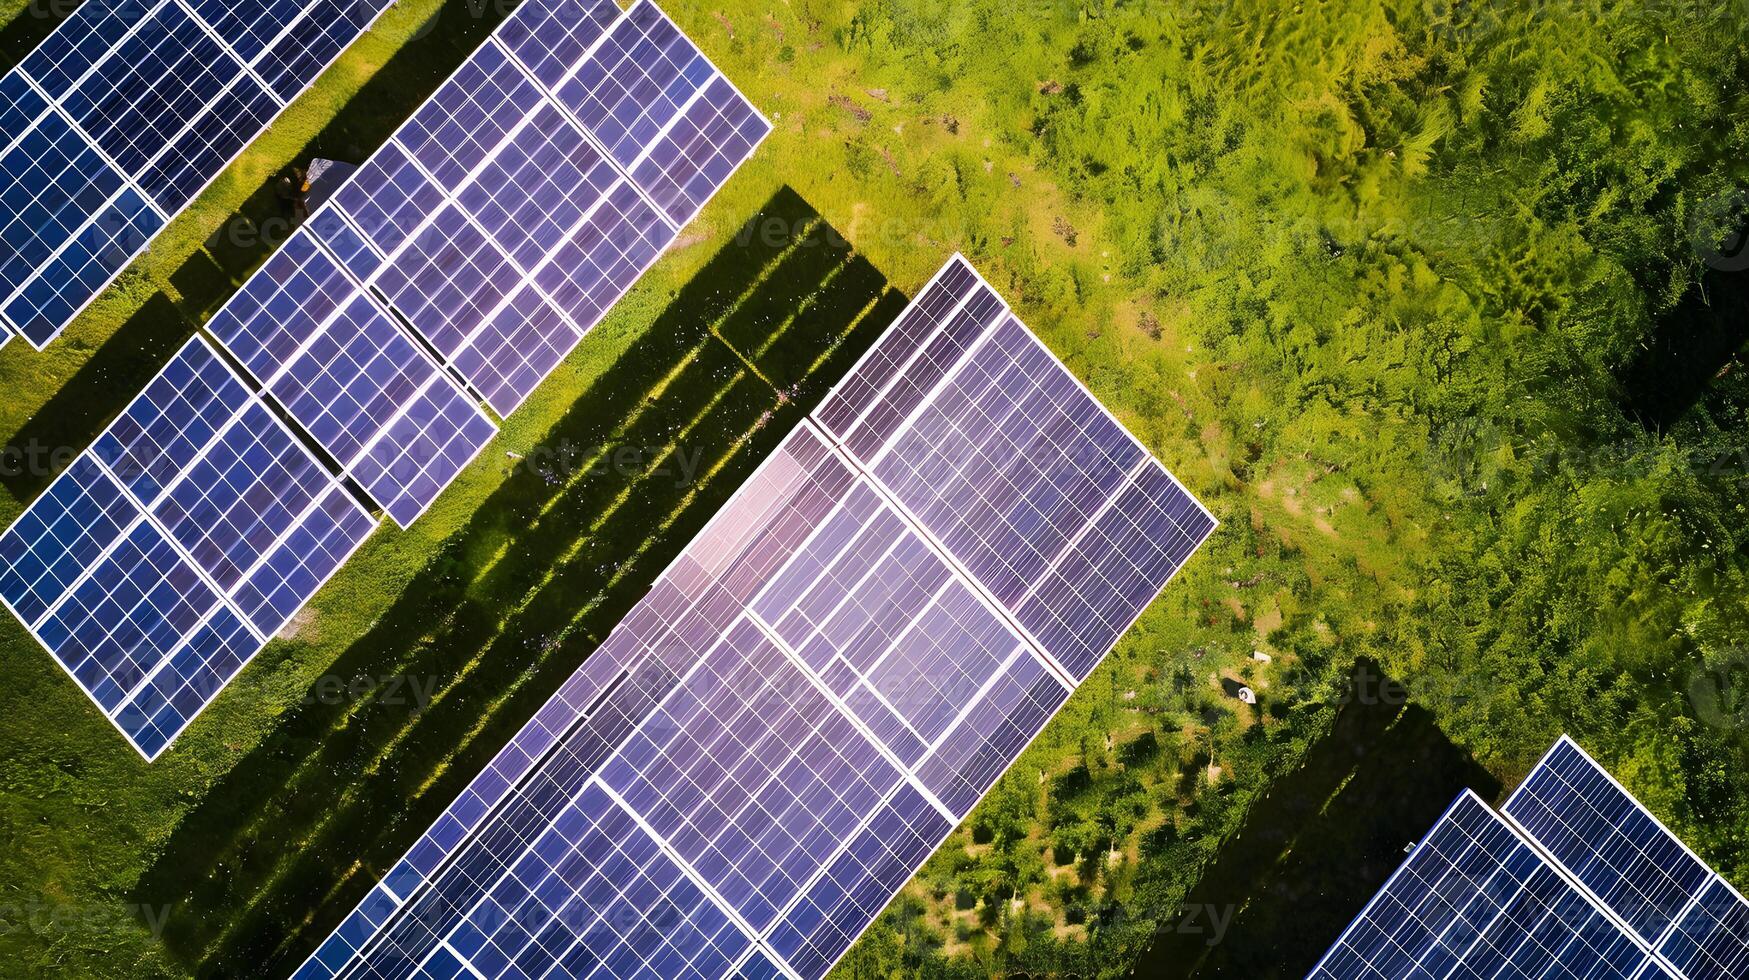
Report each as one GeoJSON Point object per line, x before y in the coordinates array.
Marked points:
{"type": "Point", "coordinates": [1432, 303]}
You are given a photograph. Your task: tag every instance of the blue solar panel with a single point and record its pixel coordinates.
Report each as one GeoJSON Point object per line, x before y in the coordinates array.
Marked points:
{"type": "Point", "coordinates": [51, 183]}
{"type": "Point", "coordinates": [797, 714]}
{"type": "Point", "coordinates": [167, 426]}
{"type": "Point", "coordinates": [1711, 940]}
{"type": "Point", "coordinates": [550, 38]}
{"type": "Point", "coordinates": [636, 83]}
{"type": "Point", "coordinates": [196, 518]}
{"type": "Point", "coordinates": [423, 450]}
{"type": "Point", "coordinates": [61, 535]}
{"type": "Point", "coordinates": [137, 606]}
{"type": "Point", "coordinates": [164, 705]}
{"type": "Point", "coordinates": [1604, 838]}
{"type": "Point", "coordinates": [538, 187]}
{"type": "Point", "coordinates": [283, 305]}
{"type": "Point", "coordinates": [83, 40]}
{"type": "Point", "coordinates": [313, 42]}
{"type": "Point", "coordinates": [1015, 468]}
{"type": "Point", "coordinates": [159, 78]}
{"type": "Point", "coordinates": [693, 159]}
{"type": "Point", "coordinates": [1474, 900]}
{"type": "Point", "coordinates": [388, 198]}
{"type": "Point", "coordinates": [468, 115]}
{"type": "Point", "coordinates": [149, 102]}
{"type": "Point", "coordinates": [321, 541]}
{"type": "Point", "coordinates": [449, 280]}
{"type": "Point", "coordinates": [20, 105]}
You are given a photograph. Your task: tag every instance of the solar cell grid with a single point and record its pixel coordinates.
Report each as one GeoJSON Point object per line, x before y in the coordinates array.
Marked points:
{"type": "Point", "coordinates": [636, 83]}
{"type": "Point", "coordinates": [1606, 840]}
{"type": "Point", "coordinates": [60, 535]}
{"type": "Point", "coordinates": [219, 132]}
{"type": "Point", "coordinates": [285, 304]}
{"type": "Point", "coordinates": [448, 279]}
{"type": "Point", "coordinates": [1474, 900]}
{"type": "Point", "coordinates": [685, 167]}
{"type": "Point", "coordinates": [159, 80]}
{"type": "Point", "coordinates": [250, 26]}
{"type": "Point", "coordinates": [164, 705]}
{"type": "Point", "coordinates": [83, 40]}
{"type": "Point", "coordinates": [604, 256]}
{"type": "Point", "coordinates": [538, 187]}
{"type": "Point", "coordinates": [469, 115]}
{"type": "Point", "coordinates": [550, 38]}
{"type": "Point", "coordinates": [168, 425]}
{"type": "Point", "coordinates": [313, 42]}
{"type": "Point", "coordinates": [236, 502]}
{"type": "Point", "coordinates": [1711, 940]}
{"type": "Point", "coordinates": [795, 715]}
{"type": "Point", "coordinates": [70, 279]}
{"type": "Point", "coordinates": [516, 349]}
{"type": "Point", "coordinates": [159, 101]}
{"type": "Point", "coordinates": [328, 533]}
{"type": "Point", "coordinates": [423, 449]}
{"type": "Point", "coordinates": [51, 183]}
{"type": "Point", "coordinates": [353, 379]}
{"type": "Point", "coordinates": [127, 616]}
{"type": "Point", "coordinates": [20, 105]}
{"type": "Point", "coordinates": [388, 198]}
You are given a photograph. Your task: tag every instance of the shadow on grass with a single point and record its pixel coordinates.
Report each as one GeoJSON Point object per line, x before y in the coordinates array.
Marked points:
{"type": "Point", "coordinates": [20, 36]}
{"type": "Point", "coordinates": [1314, 851]}
{"type": "Point", "coordinates": [136, 351]}
{"type": "Point", "coordinates": [1706, 334]}
{"type": "Point", "coordinates": [293, 836]}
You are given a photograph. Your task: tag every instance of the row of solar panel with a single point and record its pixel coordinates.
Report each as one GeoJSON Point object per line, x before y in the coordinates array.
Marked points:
{"type": "Point", "coordinates": [496, 226]}
{"type": "Point", "coordinates": [320, 327]}
{"type": "Point", "coordinates": [1582, 882]}
{"type": "Point", "coordinates": [821, 686]}
{"type": "Point", "coordinates": [164, 557]}
{"type": "Point", "coordinates": [122, 116]}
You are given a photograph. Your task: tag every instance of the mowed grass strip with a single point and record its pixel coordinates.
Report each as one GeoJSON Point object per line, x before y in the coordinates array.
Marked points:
{"type": "Point", "coordinates": [298, 831]}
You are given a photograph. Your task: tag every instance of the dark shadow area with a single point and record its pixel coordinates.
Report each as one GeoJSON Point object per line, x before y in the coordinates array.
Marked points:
{"type": "Point", "coordinates": [287, 842]}
{"type": "Point", "coordinates": [131, 356]}
{"type": "Point", "coordinates": [36, 21]}
{"type": "Point", "coordinates": [1705, 335]}
{"type": "Point", "coordinates": [1313, 852]}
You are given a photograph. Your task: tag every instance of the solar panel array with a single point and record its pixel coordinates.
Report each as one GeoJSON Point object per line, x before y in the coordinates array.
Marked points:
{"type": "Point", "coordinates": [813, 695]}
{"type": "Point", "coordinates": [461, 263]}
{"type": "Point", "coordinates": [1633, 866]}
{"type": "Point", "coordinates": [1577, 880]}
{"type": "Point", "coordinates": [470, 255]}
{"type": "Point", "coordinates": [168, 553]}
{"type": "Point", "coordinates": [122, 116]}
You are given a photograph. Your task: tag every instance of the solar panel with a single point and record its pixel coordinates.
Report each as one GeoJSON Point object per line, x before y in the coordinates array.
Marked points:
{"type": "Point", "coordinates": [1474, 900]}
{"type": "Point", "coordinates": [1016, 469]}
{"type": "Point", "coordinates": [1625, 897]}
{"type": "Point", "coordinates": [751, 765]}
{"type": "Point", "coordinates": [1605, 839]}
{"type": "Point", "coordinates": [1711, 940]}
{"type": "Point", "coordinates": [160, 562]}
{"type": "Point", "coordinates": [493, 224]}
{"type": "Point", "coordinates": [122, 116]}
{"type": "Point", "coordinates": [1572, 808]}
